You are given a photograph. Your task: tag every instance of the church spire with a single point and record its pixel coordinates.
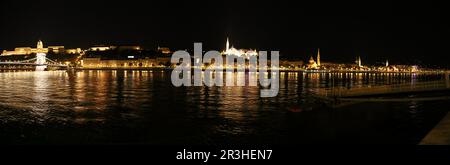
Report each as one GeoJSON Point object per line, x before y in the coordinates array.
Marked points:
{"type": "Point", "coordinates": [228, 45]}
{"type": "Point", "coordinates": [318, 57]}
{"type": "Point", "coordinates": [359, 61]}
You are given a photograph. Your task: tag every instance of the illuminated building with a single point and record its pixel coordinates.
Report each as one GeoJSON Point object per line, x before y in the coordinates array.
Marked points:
{"type": "Point", "coordinates": [98, 63]}
{"type": "Point", "coordinates": [312, 64]}
{"type": "Point", "coordinates": [291, 63]}
{"type": "Point", "coordinates": [56, 49]}
{"type": "Point", "coordinates": [27, 50]}
{"type": "Point", "coordinates": [231, 51]}
{"type": "Point", "coordinates": [18, 51]}
{"type": "Point", "coordinates": [121, 57]}
{"type": "Point", "coordinates": [39, 49]}
{"type": "Point", "coordinates": [100, 48]}
{"type": "Point", "coordinates": [126, 47]}
{"type": "Point", "coordinates": [164, 50]}
{"type": "Point", "coordinates": [134, 63]}
{"type": "Point", "coordinates": [23, 50]}
{"type": "Point", "coordinates": [73, 51]}
{"type": "Point", "coordinates": [414, 68]}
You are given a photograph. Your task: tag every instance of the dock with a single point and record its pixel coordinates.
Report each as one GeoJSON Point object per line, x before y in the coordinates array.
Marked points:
{"type": "Point", "coordinates": [342, 92]}
{"type": "Point", "coordinates": [440, 134]}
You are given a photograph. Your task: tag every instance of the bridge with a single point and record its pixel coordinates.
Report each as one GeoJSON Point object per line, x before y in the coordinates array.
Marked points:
{"type": "Point", "coordinates": [40, 61]}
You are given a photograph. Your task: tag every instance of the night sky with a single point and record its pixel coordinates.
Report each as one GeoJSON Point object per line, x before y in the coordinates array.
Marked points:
{"type": "Point", "coordinates": [407, 33]}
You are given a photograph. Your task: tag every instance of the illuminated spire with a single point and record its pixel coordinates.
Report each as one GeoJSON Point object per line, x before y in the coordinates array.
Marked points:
{"type": "Point", "coordinates": [359, 61]}
{"type": "Point", "coordinates": [318, 57]}
{"type": "Point", "coordinates": [387, 63]}
{"type": "Point", "coordinates": [228, 45]}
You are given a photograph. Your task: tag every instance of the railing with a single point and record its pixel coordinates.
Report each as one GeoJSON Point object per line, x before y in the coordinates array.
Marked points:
{"type": "Point", "coordinates": [30, 62]}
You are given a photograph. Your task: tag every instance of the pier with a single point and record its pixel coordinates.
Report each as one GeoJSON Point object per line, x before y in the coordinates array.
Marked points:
{"type": "Point", "coordinates": [413, 87]}
{"type": "Point", "coordinates": [440, 134]}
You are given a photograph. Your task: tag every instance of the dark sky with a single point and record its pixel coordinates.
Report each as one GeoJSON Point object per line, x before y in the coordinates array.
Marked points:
{"type": "Point", "coordinates": [407, 32]}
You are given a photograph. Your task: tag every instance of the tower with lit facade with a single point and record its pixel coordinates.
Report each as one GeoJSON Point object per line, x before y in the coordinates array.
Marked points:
{"type": "Point", "coordinates": [40, 45]}
{"type": "Point", "coordinates": [358, 61]}
{"type": "Point", "coordinates": [318, 57]}
{"type": "Point", "coordinates": [227, 45]}
{"type": "Point", "coordinates": [40, 56]}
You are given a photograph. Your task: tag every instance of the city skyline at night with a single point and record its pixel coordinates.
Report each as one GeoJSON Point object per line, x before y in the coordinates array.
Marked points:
{"type": "Point", "coordinates": [82, 54]}
{"type": "Point", "coordinates": [343, 30]}
{"type": "Point", "coordinates": [226, 81]}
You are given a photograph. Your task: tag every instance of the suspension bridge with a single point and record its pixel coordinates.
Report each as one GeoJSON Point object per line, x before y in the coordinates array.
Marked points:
{"type": "Point", "coordinates": [41, 62]}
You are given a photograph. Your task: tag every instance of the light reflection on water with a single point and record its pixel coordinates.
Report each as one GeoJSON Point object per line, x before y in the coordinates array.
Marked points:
{"type": "Point", "coordinates": [142, 106]}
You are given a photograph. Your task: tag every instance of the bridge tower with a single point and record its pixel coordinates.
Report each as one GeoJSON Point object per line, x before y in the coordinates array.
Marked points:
{"type": "Point", "coordinates": [40, 61]}
{"type": "Point", "coordinates": [40, 57]}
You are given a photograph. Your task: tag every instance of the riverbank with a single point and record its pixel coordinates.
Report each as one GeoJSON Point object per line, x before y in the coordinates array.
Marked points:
{"type": "Point", "coordinates": [281, 70]}
{"type": "Point", "coordinates": [440, 134]}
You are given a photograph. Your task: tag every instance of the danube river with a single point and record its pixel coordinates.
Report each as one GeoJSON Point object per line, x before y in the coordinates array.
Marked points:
{"type": "Point", "coordinates": [143, 107]}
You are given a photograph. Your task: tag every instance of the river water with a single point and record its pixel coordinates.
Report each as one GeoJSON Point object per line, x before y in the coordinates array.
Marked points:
{"type": "Point", "coordinates": [143, 107]}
